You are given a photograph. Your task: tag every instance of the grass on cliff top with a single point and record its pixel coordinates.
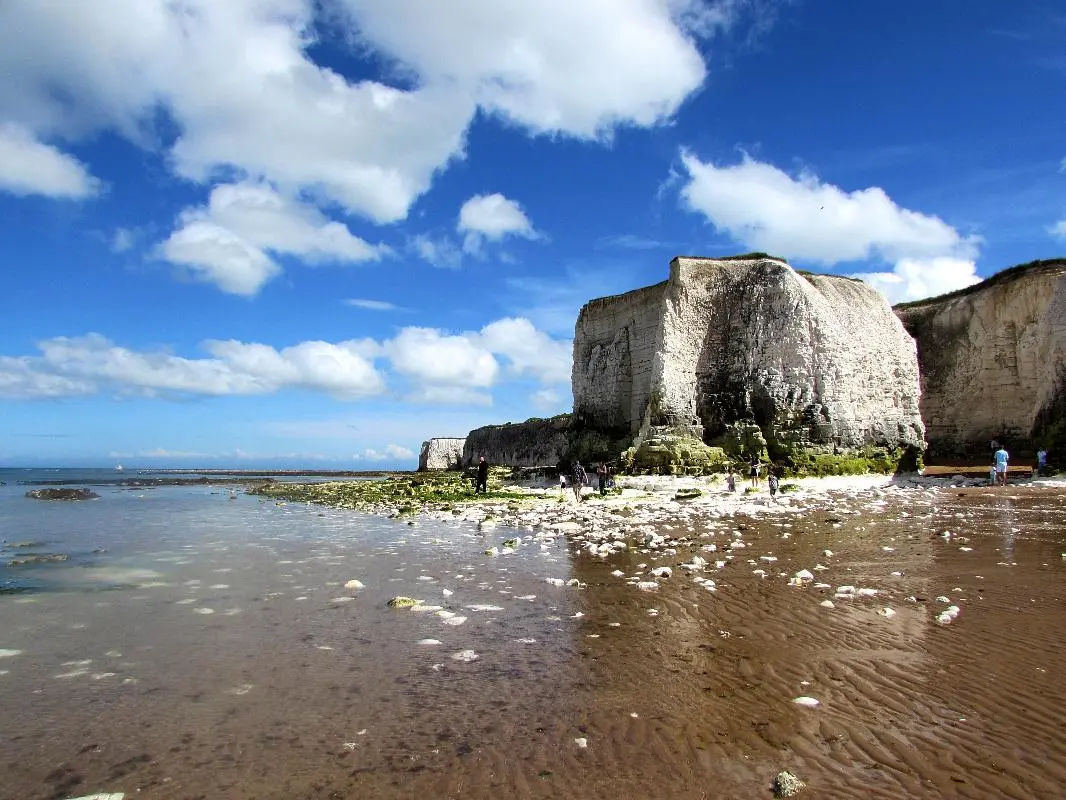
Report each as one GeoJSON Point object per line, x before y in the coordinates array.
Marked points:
{"type": "Point", "coordinates": [1003, 276]}
{"type": "Point", "coordinates": [407, 493]}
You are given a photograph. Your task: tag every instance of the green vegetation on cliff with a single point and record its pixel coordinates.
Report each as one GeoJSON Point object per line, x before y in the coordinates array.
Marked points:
{"type": "Point", "coordinates": [1003, 276]}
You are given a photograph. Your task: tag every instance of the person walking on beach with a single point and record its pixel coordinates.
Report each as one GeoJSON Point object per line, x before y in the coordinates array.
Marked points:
{"type": "Point", "coordinates": [1041, 461]}
{"type": "Point", "coordinates": [753, 471]}
{"type": "Point", "coordinates": [601, 478]}
{"type": "Point", "coordinates": [562, 484]}
{"type": "Point", "coordinates": [1001, 465]}
{"type": "Point", "coordinates": [731, 481]}
{"type": "Point", "coordinates": [579, 478]}
{"type": "Point", "coordinates": [482, 484]}
{"type": "Point", "coordinates": [771, 481]}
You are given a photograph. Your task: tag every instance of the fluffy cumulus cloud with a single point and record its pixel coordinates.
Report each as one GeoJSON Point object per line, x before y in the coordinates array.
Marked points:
{"type": "Point", "coordinates": [390, 452]}
{"type": "Point", "coordinates": [1058, 230]}
{"type": "Point", "coordinates": [427, 364]}
{"type": "Point", "coordinates": [238, 83]}
{"type": "Point", "coordinates": [228, 242]}
{"type": "Point", "coordinates": [491, 217]}
{"type": "Point", "coordinates": [800, 217]}
{"type": "Point", "coordinates": [28, 166]}
{"type": "Point", "coordinates": [912, 279]}
{"type": "Point", "coordinates": [91, 364]}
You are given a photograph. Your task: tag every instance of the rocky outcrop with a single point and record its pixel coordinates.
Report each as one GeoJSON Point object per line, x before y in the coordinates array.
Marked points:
{"type": "Point", "coordinates": [61, 494]}
{"type": "Point", "coordinates": [993, 362]}
{"type": "Point", "coordinates": [741, 355]}
{"type": "Point", "coordinates": [441, 453]}
{"type": "Point", "coordinates": [533, 443]}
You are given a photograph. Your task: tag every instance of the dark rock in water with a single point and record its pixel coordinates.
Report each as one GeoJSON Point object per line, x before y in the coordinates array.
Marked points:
{"type": "Point", "coordinates": [38, 558]}
{"type": "Point", "coordinates": [23, 545]}
{"type": "Point", "coordinates": [61, 494]}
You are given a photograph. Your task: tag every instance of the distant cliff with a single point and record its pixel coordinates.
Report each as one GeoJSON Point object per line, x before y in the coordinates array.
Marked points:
{"type": "Point", "coordinates": [746, 355]}
{"type": "Point", "coordinates": [993, 361]}
{"type": "Point", "coordinates": [441, 453]}
{"type": "Point", "coordinates": [533, 443]}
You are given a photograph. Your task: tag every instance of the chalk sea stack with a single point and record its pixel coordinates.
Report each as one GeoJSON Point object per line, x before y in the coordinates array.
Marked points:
{"type": "Point", "coordinates": [441, 453]}
{"type": "Point", "coordinates": [731, 357]}
{"type": "Point", "coordinates": [993, 362]}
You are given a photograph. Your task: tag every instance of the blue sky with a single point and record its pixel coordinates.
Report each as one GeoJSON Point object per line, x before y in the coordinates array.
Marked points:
{"type": "Point", "coordinates": [277, 232]}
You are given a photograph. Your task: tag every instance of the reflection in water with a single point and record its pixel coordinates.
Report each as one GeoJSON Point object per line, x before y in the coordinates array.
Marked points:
{"type": "Point", "coordinates": [294, 687]}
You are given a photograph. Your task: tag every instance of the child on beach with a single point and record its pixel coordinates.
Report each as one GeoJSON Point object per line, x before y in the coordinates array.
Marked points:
{"type": "Point", "coordinates": [731, 481]}
{"type": "Point", "coordinates": [771, 481]}
{"type": "Point", "coordinates": [562, 484]}
{"type": "Point", "coordinates": [992, 474]}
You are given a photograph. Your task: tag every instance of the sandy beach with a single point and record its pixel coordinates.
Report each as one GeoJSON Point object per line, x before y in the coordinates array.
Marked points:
{"type": "Point", "coordinates": [874, 637]}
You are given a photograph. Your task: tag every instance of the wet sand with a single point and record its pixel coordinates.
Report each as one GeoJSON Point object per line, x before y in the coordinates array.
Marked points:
{"type": "Point", "coordinates": [676, 691]}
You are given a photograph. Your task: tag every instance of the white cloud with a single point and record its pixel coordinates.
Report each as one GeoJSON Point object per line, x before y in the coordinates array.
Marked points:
{"type": "Point", "coordinates": [491, 217]}
{"type": "Point", "coordinates": [28, 166]}
{"type": "Point", "coordinates": [228, 242]}
{"type": "Point", "coordinates": [440, 252]}
{"type": "Point", "coordinates": [236, 80]}
{"type": "Point", "coordinates": [766, 209]}
{"type": "Point", "coordinates": [437, 367]}
{"type": "Point", "coordinates": [551, 66]}
{"type": "Point", "coordinates": [530, 352]}
{"type": "Point", "coordinates": [91, 364]}
{"type": "Point", "coordinates": [546, 400]}
{"type": "Point", "coordinates": [1062, 166]}
{"type": "Point", "coordinates": [372, 305]}
{"type": "Point", "coordinates": [434, 358]}
{"type": "Point", "coordinates": [390, 452]}
{"type": "Point", "coordinates": [802, 218]}
{"type": "Point", "coordinates": [449, 395]}
{"type": "Point", "coordinates": [122, 240]}
{"type": "Point", "coordinates": [913, 279]}
{"type": "Point", "coordinates": [1058, 230]}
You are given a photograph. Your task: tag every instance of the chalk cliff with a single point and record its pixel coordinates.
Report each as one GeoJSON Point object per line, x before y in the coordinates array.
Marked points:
{"type": "Point", "coordinates": [745, 354]}
{"type": "Point", "coordinates": [993, 361]}
{"type": "Point", "coordinates": [441, 453]}
{"type": "Point", "coordinates": [533, 443]}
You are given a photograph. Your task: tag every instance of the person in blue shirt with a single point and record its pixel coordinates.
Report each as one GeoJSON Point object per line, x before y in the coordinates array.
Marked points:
{"type": "Point", "coordinates": [1001, 457]}
{"type": "Point", "coordinates": [1041, 460]}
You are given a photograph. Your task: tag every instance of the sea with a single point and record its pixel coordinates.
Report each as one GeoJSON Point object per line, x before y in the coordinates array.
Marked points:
{"type": "Point", "coordinates": [194, 641]}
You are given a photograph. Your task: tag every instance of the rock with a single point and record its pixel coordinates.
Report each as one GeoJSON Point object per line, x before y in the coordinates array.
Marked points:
{"type": "Point", "coordinates": [992, 359]}
{"type": "Point", "coordinates": [787, 785]}
{"type": "Point", "coordinates": [403, 602]}
{"type": "Point", "coordinates": [465, 656]}
{"type": "Point", "coordinates": [354, 584]}
{"type": "Point", "coordinates": [687, 494]}
{"type": "Point", "coordinates": [809, 702]}
{"type": "Point", "coordinates": [441, 453]}
{"type": "Point", "coordinates": [817, 363]}
{"type": "Point", "coordinates": [38, 558]}
{"type": "Point", "coordinates": [533, 443]}
{"type": "Point", "coordinates": [662, 572]}
{"type": "Point", "coordinates": [827, 604]}
{"type": "Point", "coordinates": [62, 494]}
{"type": "Point", "coordinates": [582, 742]}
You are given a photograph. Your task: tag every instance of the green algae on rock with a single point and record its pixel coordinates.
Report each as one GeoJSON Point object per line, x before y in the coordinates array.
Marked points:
{"type": "Point", "coordinates": [400, 495]}
{"type": "Point", "coordinates": [403, 602]}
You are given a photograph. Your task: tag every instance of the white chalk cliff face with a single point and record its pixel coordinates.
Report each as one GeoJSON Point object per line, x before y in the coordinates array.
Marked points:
{"type": "Point", "coordinates": [818, 362]}
{"type": "Point", "coordinates": [441, 453]}
{"type": "Point", "coordinates": [993, 360]}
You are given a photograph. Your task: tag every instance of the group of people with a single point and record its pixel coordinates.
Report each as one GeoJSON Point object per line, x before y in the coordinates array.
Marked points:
{"type": "Point", "coordinates": [755, 470]}
{"type": "Point", "coordinates": [579, 479]}
{"type": "Point", "coordinates": [997, 473]}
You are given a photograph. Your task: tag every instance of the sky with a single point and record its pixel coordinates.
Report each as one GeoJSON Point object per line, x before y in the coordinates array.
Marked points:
{"type": "Point", "coordinates": [315, 233]}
